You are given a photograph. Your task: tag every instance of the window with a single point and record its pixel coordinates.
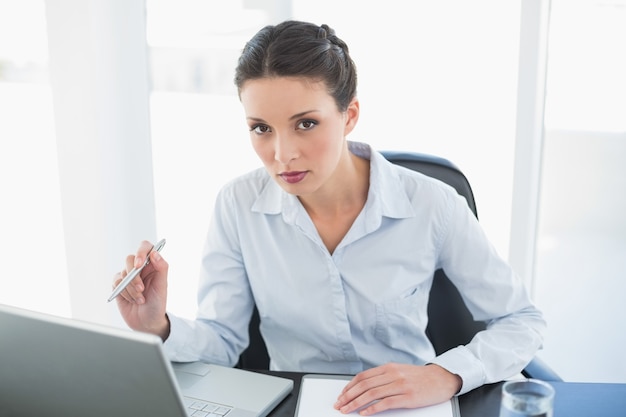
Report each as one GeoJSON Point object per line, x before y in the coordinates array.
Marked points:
{"type": "Point", "coordinates": [581, 241]}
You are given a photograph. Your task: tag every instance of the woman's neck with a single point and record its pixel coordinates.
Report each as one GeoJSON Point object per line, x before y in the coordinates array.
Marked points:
{"type": "Point", "coordinates": [346, 191]}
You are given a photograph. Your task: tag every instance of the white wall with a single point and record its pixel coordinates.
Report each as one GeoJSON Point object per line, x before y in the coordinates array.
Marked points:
{"type": "Point", "coordinates": [100, 86]}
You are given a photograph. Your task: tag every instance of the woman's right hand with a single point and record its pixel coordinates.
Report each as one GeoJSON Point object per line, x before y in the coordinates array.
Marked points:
{"type": "Point", "coordinates": [143, 302]}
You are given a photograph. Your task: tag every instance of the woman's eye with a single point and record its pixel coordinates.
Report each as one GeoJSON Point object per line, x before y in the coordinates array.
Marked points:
{"type": "Point", "coordinates": [306, 124]}
{"type": "Point", "coordinates": [260, 129]}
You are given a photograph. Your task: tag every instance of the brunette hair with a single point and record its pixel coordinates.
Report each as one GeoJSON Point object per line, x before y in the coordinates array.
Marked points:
{"type": "Point", "coordinates": [300, 49]}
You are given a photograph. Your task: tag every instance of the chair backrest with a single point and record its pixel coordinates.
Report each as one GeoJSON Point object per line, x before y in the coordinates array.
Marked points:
{"type": "Point", "coordinates": [450, 323]}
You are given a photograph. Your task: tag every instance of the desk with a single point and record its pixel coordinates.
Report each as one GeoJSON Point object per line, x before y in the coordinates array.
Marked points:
{"type": "Point", "coordinates": [571, 400]}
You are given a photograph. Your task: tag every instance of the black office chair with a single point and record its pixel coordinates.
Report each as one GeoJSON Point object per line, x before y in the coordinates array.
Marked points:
{"type": "Point", "coordinates": [450, 323]}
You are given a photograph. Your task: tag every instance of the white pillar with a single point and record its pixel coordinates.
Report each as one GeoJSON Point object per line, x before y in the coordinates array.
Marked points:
{"type": "Point", "coordinates": [100, 84]}
{"type": "Point", "coordinates": [529, 136]}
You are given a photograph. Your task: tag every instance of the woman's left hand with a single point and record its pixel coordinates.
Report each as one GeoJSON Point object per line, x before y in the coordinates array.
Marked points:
{"type": "Point", "coordinates": [397, 386]}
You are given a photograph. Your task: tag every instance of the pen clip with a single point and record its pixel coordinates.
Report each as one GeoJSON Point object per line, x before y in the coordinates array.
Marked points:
{"type": "Point", "coordinates": [158, 246]}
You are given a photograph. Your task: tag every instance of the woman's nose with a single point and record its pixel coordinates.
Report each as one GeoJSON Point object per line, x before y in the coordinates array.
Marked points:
{"type": "Point", "coordinates": [285, 149]}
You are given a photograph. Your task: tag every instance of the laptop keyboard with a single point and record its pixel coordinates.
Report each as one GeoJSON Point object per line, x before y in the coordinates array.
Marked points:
{"type": "Point", "coordinates": [199, 408]}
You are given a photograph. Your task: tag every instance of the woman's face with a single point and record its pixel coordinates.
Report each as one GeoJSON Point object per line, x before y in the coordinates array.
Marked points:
{"type": "Point", "coordinates": [297, 130]}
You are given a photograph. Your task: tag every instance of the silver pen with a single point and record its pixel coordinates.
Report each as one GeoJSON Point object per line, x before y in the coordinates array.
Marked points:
{"type": "Point", "coordinates": [135, 271]}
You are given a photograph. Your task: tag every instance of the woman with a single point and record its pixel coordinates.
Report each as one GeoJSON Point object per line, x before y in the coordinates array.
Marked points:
{"type": "Point", "coordinates": [337, 248]}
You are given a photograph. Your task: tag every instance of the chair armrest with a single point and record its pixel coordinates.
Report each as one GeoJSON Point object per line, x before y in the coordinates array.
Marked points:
{"type": "Point", "coordinates": [538, 369]}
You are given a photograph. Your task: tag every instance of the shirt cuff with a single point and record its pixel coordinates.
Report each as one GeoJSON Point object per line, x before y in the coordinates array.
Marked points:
{"type": "Point", "coordinates": [461, 362]}
{"type": "Point", "coordinates": [176, 341]}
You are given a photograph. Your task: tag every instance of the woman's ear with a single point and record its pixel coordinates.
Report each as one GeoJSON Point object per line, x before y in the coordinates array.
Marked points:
{"type": "Point", "coordinates": [352, 116]}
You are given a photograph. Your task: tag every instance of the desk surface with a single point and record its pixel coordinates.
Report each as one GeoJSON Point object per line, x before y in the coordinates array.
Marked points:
{"type": "Point", "coordinates": [571, 400]}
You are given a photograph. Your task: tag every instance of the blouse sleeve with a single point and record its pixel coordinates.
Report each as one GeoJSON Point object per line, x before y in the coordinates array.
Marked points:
{"type": "Point", "coordinates": [494, 294]}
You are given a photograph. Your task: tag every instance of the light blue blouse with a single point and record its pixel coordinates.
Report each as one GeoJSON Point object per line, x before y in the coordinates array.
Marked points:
{"type": "Point", "coordinates": [365, 304]}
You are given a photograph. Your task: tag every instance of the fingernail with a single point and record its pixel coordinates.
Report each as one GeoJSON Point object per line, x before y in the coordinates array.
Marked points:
{"type": "Point", "coordinates": [156, 256]}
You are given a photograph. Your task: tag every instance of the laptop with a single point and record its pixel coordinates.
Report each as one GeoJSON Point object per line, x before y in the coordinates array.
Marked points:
{"type": "Point", "coordinates": [54, 366]}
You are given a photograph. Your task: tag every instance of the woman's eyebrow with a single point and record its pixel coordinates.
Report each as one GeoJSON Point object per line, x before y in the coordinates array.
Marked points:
{"type": "Point", "coordinates": [298, 115]}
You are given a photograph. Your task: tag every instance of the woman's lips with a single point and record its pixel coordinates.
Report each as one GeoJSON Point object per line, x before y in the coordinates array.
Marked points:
{"type": "Point", "coordinates": [292, 177]}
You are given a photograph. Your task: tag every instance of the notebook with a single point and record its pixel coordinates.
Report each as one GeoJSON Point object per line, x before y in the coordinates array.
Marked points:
{"type": "Point", "coordinates": [56, 366]}
{"type": "Point", "coordinates": [318, 393]}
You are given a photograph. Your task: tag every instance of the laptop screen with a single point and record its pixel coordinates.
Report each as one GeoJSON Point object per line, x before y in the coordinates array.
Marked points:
{"type": "Point", "coordinates": [56, 366]}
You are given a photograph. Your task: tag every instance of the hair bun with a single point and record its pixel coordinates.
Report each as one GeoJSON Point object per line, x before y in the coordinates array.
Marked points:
{"type": "Point", "coordinates": [324, 32]}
